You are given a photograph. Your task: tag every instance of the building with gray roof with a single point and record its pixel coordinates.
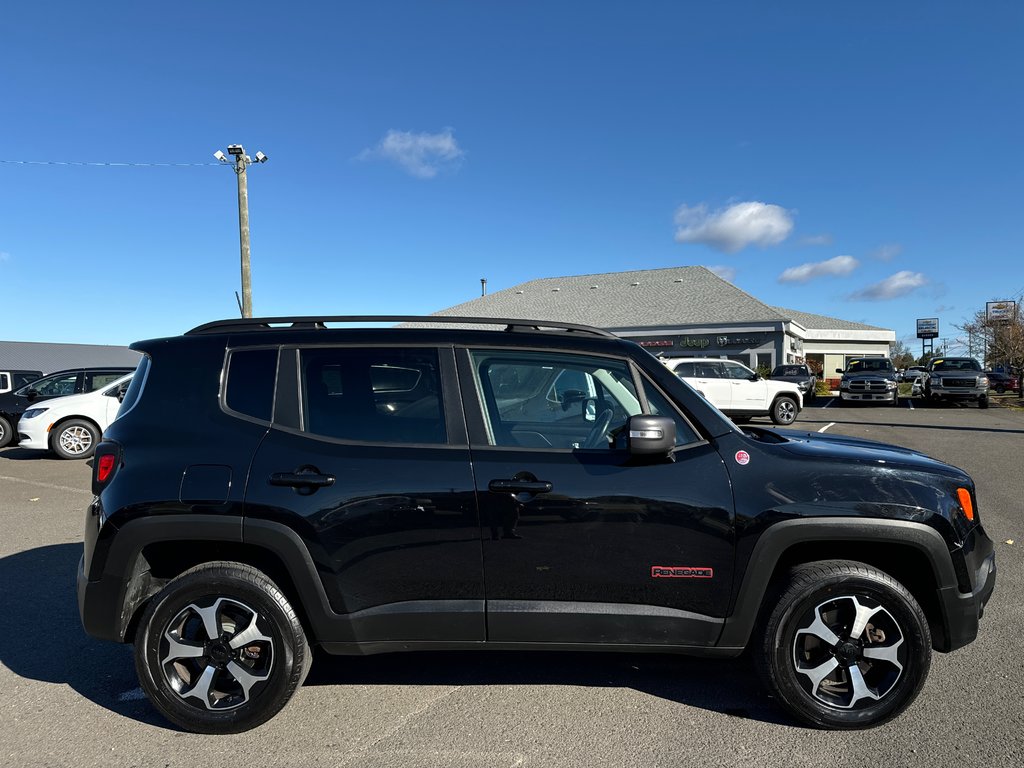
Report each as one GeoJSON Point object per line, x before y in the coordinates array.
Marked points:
{"type": "Point", "coordinates": [41, 356]}
{"type": "Point", "coordinates": [686, 311]}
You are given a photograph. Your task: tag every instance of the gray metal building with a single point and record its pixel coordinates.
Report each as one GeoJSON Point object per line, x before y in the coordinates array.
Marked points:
{"type": "Point", "coordinates": [41, 356]}
{"type": "Point", "coordinates": [686, 312]}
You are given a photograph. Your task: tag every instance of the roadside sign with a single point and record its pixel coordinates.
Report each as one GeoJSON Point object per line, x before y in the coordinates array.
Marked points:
{"type": "Point", "coordinates": [928, 328]}
{"type": "Point", "coordinates": [1000, 311]}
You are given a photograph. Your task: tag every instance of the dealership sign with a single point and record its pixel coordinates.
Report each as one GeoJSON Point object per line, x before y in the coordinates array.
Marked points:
{"type": "Point", "coordinates": [928, 328]}
{"type": "Point", "coordinates": [1000, 311]}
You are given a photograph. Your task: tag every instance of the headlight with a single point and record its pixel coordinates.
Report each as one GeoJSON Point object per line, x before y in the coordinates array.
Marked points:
{"type": "Point", "coordinates": [844, 384]}
{"type": "Point", "coordinates": [983, 381]}
{"type": "Point", "coordinates": [31, 413]}
{"type": "Point", "coordinates": [891, 385]}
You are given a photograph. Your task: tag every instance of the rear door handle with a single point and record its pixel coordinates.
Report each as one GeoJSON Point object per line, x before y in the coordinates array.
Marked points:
{"type": "Point", "coordinates": [304, 479]}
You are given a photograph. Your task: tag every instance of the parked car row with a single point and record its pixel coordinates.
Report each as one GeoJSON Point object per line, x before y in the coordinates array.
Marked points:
{"type": "Point", "coordinates": [65, 412]}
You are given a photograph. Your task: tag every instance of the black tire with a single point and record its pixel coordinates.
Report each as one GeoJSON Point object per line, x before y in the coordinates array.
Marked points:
{"type": "Point", "coordinates": [274, 662]}
{"type": "Point", "coordinates": [983, 401]}
{"type": "Point", "coordinates": [784, 410]}
{"type": "Point", "coordinates": [896, 401]}
{"type": "Point", "coordinates": [853, 690]}
{"type": "Point", "coordinates": [999, 390]}
{"type": "Point", "coordinates": [74, 439]}
{"type": "Point", "coordinates": [6, 432]}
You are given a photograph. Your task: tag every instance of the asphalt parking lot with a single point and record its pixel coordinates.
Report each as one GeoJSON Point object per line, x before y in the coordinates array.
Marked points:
{"type": "Point", "coordinates": [69, 700]}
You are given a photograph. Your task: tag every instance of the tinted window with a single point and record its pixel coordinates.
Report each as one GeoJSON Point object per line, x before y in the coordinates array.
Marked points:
{"type": "Point", "coordinates": [660, 406]}
{"type": "Point", "coordinates": [790, 370]}
{"type": "Point", "coordinates": [686, 369]}
{"type": "Point", "coordinates": [252, 374]}
{"type": "Point", "coordinates": [5, 381]}
{"type": "Point", "coordinates": [737, 371]}
{"type": "Point", "coordinates": [99, 379]}
{"type": "Point", "coordinates": [373, 395]}
{"type": "Point", "coordinates": [21, 379]}
{"type": "Point", "coordinates": [947, 364]}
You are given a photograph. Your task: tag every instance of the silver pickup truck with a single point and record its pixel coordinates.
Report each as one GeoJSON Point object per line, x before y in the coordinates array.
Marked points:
{"type": "Point", "coordinates": [956, 378]}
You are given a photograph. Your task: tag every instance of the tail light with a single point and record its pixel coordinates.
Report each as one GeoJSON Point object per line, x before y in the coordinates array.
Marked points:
{"type": "Point", "coordinates": [106, 462]}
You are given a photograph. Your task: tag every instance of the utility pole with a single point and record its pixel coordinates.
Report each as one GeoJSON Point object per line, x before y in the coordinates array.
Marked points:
{"type": "Point", "coordinates": [242, 162]}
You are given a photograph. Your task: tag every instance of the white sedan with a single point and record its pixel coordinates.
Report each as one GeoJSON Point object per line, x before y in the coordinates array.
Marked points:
{"type": "Point", "coordinates": [71, 426]}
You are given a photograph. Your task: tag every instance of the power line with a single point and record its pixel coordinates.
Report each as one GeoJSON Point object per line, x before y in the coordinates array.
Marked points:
{"type": "Point", "coordinates": [107, 165]}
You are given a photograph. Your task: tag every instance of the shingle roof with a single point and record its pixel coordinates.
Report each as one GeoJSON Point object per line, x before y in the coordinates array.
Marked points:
{"type": "Point", "coordinates": [825, 323]}
{"type": "Point", "coordinates": [619, 300]}
{"type": "Point", "coordinates": [38, 356]}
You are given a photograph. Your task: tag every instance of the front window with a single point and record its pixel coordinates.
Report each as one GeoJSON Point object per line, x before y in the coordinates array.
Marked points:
{"type": "Point", "coordinates": [57, 385]}
{"type": "Point", "coordinates": [737, 371]}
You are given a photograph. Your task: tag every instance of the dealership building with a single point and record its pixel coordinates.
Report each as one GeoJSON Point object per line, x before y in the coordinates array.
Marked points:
{"type": "Point", "coordinates": [687, 312]}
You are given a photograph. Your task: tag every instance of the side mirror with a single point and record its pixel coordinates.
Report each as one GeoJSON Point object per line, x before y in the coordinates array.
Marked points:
{"type": "Point", "coordinates": [650, 435]}
{"type": "Point", "coordinates": [755, 376]}
{"type": "Point", "coordinates": [31, 395]}
{"type": "Point", "coordinates": [839, 370]}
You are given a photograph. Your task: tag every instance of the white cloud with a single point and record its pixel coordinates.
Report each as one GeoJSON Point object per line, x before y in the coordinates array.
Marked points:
{"type": "Point", "coordinates": [894, 286]}
{"type": "Point", "coordinates": [734, 228]}
{"type": "Point", "coordinates": [823, 239]}
{"type": "Point", "coordinates": [422, 155]}
{"type": "Point", "coordinates": [724, 272]}
{"type": "Point", "coordinates": [887, 252]}
{"type": "Point", "coordinates": [4, 256]}
{"type": "Point", "coordinates": [839, 266]}
{"type": "Point", "coordinates": [943, 308]}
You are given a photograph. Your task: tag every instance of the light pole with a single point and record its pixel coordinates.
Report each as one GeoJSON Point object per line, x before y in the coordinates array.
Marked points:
{"type": "Point", "coordinates": [242, 162]}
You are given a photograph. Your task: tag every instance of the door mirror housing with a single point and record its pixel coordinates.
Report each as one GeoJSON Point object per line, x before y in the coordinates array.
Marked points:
{"type": "Point", "coordinates": [31, 395]}
{"type": "Point", "coordinates": [755, 376]}
{"type": "Point", "coordinates": [650, 435]}
{"type": "Point", "coordinates": [839, 370]}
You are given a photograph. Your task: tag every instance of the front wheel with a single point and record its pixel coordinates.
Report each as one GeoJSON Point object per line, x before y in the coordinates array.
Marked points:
{"type": "Point", "coordinates": [845, 646]}
{"type": "Point", "coordinates": [783, 411]}
{"type": "Point", "coordinates": [983, 401]}
{"type": "Point", "coordinates": [6, 432]}
{"type": "Point", "coordinates": [74, 439]}
{"type": "Point", "coordinates": [220, 649]}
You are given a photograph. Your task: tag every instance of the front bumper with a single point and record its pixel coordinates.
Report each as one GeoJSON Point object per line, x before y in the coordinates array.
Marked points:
{"type": "Point", "coordinates": [962, 611]}
{"type": "Point", "coordinates": [865, 397]}
{"type": "Point", "coordinates": [958, 394]}
{"type": "Point", "coordinates": [32, 434]}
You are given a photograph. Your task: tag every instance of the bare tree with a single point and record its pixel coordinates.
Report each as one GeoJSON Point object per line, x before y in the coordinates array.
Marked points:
{"type": "Point", "coordinates": [1001, 342]}
{"type": "Point", "coordinates": [900, 354]}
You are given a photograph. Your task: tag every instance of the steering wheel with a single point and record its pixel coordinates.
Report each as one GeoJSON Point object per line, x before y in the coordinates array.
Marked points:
{"type": "Point", "coordinates": [600, 430]}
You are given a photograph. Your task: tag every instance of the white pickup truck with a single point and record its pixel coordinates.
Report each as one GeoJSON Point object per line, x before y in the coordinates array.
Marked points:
{"type": "Point", "coordinates": [737, 391]}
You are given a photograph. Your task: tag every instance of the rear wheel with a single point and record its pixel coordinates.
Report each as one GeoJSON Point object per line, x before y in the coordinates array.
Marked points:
{"type": "Point", "coordinates": [74, 439]}
{"type": "Point", "coordinates": [6, 432]}
{"type": "Point", "coordinates": [220, 649]}
{"type": "Point", "coordinates": [783, 410]}
{"type": "Point", "coordinates": [845, 646]}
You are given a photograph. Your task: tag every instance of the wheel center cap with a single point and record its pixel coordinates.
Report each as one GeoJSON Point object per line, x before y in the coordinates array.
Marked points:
{"type": "Point", "coordinates": [219, 653]}
{"type": "Point", "coordinates": [847, 653]}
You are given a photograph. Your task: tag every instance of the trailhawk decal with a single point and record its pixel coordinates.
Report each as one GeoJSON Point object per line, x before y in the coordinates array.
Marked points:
{"type": "Point", "coordinates": [680, 572]}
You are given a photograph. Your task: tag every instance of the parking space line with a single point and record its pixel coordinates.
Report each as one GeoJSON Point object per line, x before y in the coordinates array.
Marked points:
{"type": "Point", "coordinates": [830, 424]}
{"type": "Point", "coordinates": [911, 404]}
{"type": "Point", "coordinates": [45, 485]}
{"type": "Point", "coordinates": [826, 405]}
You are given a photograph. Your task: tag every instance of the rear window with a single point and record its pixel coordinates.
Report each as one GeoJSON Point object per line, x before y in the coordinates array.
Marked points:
{"type": "Point", "coordinates": [131, 397]}
{"type": "Point", "coordinates": [252, 374]}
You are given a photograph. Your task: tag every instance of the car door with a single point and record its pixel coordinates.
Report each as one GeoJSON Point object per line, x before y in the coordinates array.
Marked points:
{"type": "Point", "coordinates": [706, 377]}
{"type": "Point", "coordinates": [747, 395]}
{"type": "Point", "coordinates": [581, 543]}
{"type": "Point", "coordinates": [367, 460]}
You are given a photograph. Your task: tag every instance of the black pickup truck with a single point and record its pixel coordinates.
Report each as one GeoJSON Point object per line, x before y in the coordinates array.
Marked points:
{"type": "Point", "coordinates": [800, 375]}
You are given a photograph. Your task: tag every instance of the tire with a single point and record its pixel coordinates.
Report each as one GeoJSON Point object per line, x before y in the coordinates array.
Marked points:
{"type": "Point", "coordinates": [819, 670]}
{"type": "Point", "coordinates": [896, 402]}
{"type": "Point", "coordinates": [74, 439]}
{"type": "Point", "coordinates": [999, 390]}
{"type": "Point", "coordinates": [783, 410]}
{"type": "Point", "coordinates": [983, 401]}
{"type": "Point", "coordinates": [245, 686]}
{"type": "Point", "coordinates": [6, 432]}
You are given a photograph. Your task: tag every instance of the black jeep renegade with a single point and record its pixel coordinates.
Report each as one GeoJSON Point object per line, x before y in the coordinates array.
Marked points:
{"type": "Point", "coordinates": [276, 484]}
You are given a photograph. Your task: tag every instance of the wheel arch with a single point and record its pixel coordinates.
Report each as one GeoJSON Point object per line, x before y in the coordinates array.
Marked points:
{"type": "Point", "coordinates": [52, 432]}
{"type": "Point", "coordinates": [912, 553]}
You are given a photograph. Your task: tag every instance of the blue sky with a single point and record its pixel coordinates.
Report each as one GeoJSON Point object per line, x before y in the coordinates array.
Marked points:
{"type": "Point", "coordinates": [858, 160]}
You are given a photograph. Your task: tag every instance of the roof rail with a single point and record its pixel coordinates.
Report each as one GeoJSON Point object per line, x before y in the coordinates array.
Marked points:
{"type": "Point", "coordinates": [246, 324]}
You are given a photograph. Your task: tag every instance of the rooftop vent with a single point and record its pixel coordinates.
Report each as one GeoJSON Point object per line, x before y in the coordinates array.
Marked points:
{"type": "Point", "coordinates": [678, 280]}
{"type": "Point", "coordinates": [518, 292]}
{"type": "Point", "coordinates": [555, 290]}
{"type": "Point", "coordinates": [593, 287]}
{"type": "Point", "coordinates": [634, 284]}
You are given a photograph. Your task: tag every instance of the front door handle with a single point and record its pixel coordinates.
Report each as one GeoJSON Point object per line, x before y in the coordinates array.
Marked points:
{"type": "Point", "coordinates": [305, 479]}
{"type": "Point", "coordinates": [519, 486]}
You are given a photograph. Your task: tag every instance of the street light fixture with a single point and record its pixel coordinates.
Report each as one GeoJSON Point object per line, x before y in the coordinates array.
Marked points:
{"type": "Point", "coordinates": [242, 162]}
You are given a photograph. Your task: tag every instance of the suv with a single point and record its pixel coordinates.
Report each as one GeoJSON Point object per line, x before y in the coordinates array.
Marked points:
{"type": "Point", "coordinates": [10, 380]}
{"type": "Point", "coordinates": [738, 391]}
{"type": "Point", "coordinates": [74, 381]}
{"type": "Point", "coordinates": [533, 485]}
{"type": "Point", "coordinates": [956, 378]}
{"type": "Point", "coordinates": [868, 379]}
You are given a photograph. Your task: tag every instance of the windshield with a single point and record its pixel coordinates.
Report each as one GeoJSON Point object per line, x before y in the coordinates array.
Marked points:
{"type": "Point", "coordinates": [870, 364]}
{"type": "Point", "coordinates": [956, 364]}
{"type": "Point", "coordinates": [790, 370]}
